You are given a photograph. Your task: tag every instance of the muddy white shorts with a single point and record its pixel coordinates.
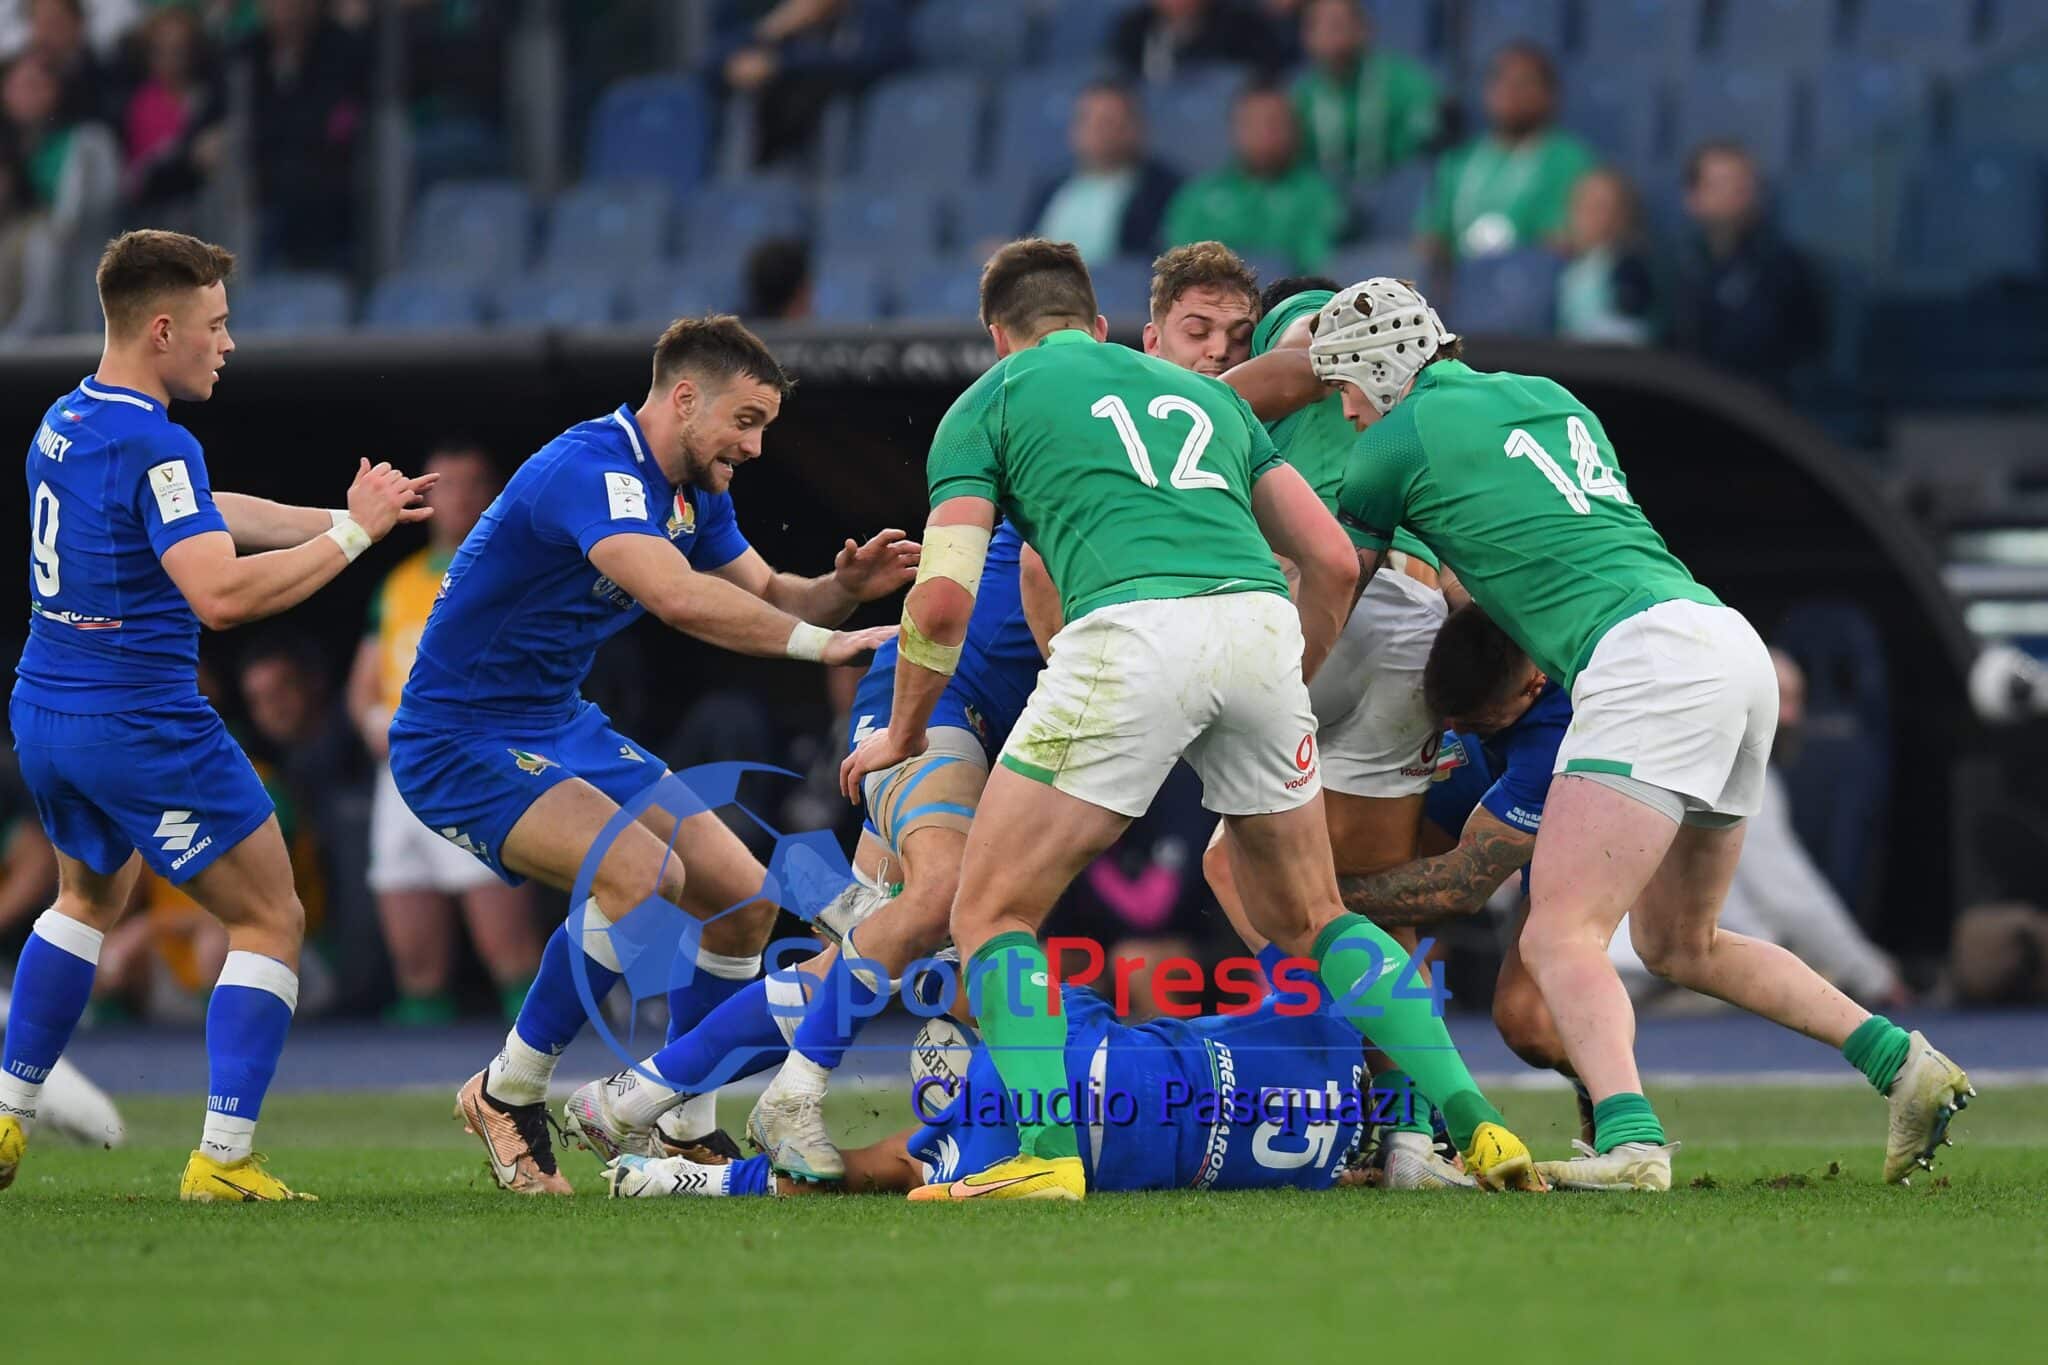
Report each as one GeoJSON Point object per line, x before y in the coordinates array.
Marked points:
{"type": "Point", "coordinates": [1131, 688]}
{"type": "Point", "coordinates": [1376, 733]}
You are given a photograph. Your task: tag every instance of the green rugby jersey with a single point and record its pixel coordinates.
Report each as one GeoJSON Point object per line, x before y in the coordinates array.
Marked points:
{"type": "Point", "coordinates": [1131, 476]}
{"type": "Point", "coordinates": [1513, 481]}
{"type": "Point", "coordinates": [1317, 441]}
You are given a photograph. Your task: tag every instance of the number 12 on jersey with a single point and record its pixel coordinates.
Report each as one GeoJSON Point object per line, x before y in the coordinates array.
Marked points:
{"type": "Point", "coordinates": [1187, 469]}
{"type": "Point", "coordinates": [1595, 479]}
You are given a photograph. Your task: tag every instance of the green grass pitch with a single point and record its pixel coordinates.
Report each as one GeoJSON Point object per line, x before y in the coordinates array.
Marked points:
{"type": "Point", "coordinates": [1780, 1245]}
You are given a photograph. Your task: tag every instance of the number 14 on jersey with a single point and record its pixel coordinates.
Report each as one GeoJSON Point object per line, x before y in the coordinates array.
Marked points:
{"type": "Point", "coordinates": [1595, 479]}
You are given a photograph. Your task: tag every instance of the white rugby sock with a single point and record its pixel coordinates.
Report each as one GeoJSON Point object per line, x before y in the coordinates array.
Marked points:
{"type": "Point", "coordinates": [640, 1101]}
{"type": "Point", "coordinates": [520, 1073]}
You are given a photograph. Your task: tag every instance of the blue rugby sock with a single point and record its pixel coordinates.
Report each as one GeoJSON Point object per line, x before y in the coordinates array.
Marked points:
{"type": "Point", "coordinates": [842, 1004]}
{"type": "Point", "coordinates": [52, 986]}
{"type": "Point", "coordinates": [702, 982]}
{"type": "Point", "coordinates": [246, 1023]}
{"type": "Point", "coordinates": [737, 1039]}
{"type": "Point", "coordinates": [552, 1014]}
{"type": "Point", "coordinates": [751, 1176]}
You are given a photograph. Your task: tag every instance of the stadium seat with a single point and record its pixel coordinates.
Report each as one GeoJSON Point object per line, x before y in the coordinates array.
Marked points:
{"type": "Point", "coordinates": [1491, 25]}
{"type": "Point", "coordinates": [1620, 109]}
{"type": "Point", "coordinates": [471, 230]}
{"type": "Point", "coordinates": [1412, 28]}
{"type": "Point", "coordinates": [857, 219]}
{"type": "Point", "coordinates": [848, 290]}
{"type": "Point", "coordinates": [657, 295]}
{"type": "Point", "coordinates": [291, 303]}
{"type": "Point", "coordinates": [981, 212]}
{"type": "Point", "coordinates": [1976, 215]}
{"type": "Point", "coordinates": [1395, 257]}
{"type": "Point", "coordinates": [941, 290]}
{"type": "Point", "coordinates": [422, 303]}
{"type": "Point", "coordinates": [2009, 102]}
{"type": "Point", "coordinates": [1646, 35]}
{"type": "Point", "coordinates": [1787, 34]}
{"type": "Point", "coordinates": [922, 129]}
{"type": "Point", "coordinates": [1758, 108]}
{"type": "Point", "coordinates": [1512, 294]}
{"type": "Point", "coordinates": [985, 37]}
{"type": "Point", "coordinates": [651, 127]}
{"type": "Point", "coordinates": [1078, 30]}
{"type": "Point", "coordinates": [1190, 118]}
{"type": "Point", "coordinates": [1849, 207]}
{"type": "Point", "coordinates": [1840, 783]}
{"type": "Point", "coordinates": [1938, 34]}
{"type": "Point", "coordinates": [1032, 114]}
{"type": "Point", "coordinates": [556, 300]}
{"type": "Point", "coordinates": [1389, 207]}
{"type": "Point", "coordinates": [609, 225]}
{"type": "Point", "coordinates": [724, 217]}
{"type": "Point", "coordinates": [1123, 291]}
{"type": "Point", "coordinates": [1856, 97]}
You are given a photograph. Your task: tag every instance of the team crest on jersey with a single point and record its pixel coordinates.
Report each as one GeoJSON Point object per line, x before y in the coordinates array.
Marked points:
{"type": "Point", "coordinates": [531, 763]}
{"type": "Point", "coordinates": [682, 518]}
{"type": "Point", "coordinates": [1450, 757]}
{"type": "Point", "coordinates": [978, 721]}
{"type": "Point", "coordinates": [69, 415]}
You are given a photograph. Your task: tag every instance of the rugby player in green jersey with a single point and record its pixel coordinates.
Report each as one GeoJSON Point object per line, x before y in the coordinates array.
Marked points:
{"type": "Point", "coordinates": [1514, 483]}
{"type": "Point", "coordinates": [1157, 503]}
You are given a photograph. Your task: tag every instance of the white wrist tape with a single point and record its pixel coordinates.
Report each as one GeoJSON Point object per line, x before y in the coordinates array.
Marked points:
{"type": "Point", "coordinates": [338, 515]}
{"type": "Point", "coordinates": [807, 642]}
{"type": "Point", "coordinates": [350, 536]}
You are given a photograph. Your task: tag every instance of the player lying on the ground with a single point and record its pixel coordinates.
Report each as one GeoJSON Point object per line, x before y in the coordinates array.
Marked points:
{"type": "Point", "coordinates": [130, 552]}
{"type": "Point", "coordinates": [494, 747]}
{"type": "Point", "coordinates": [1261, 1100]}
{"type": "Point", "coordinates": [1157, 502]}
{"type": "Point", "coordinates": [907, 864]}
{"type": "Point", "coordinates": [1515, 483]}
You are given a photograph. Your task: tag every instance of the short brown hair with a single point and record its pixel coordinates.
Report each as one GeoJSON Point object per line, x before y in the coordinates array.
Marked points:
{"type": "Point", "coordinates": [1472, 665]}
{"type": "Point", "coordinates": [1200, 265]}
{"type": "Point", "coordinates": [1033, 281]}
{"type": "Point", "coordinates": [717, 345]}
{"type": "Point", "coordinates": [139, 267]}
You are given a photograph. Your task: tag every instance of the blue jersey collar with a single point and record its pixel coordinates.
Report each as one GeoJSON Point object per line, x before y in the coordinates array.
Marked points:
{"type": "Point", "coordinates": [91, 387]}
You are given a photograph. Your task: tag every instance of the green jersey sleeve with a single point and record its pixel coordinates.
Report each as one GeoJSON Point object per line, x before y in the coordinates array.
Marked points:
{"type": "Point", "coordinates": [1264, 453]}
{"type": "Point", "coordinates": [965, 460]}
{"type": "Point", "coordinates": [1380, 478]}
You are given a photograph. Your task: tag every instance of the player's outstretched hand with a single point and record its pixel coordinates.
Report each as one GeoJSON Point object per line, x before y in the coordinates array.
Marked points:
{"type": "Point", "coordinates": [382, 497]}
{"type": "Point", "coordinates": [882, 749]}
{"type": "Point", "coordinates": [854, 646]}
{"type": "Point", "coordinates": [878, 568]}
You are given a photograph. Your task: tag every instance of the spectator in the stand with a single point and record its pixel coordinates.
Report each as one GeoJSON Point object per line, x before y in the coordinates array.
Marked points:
{"type": "Point", "coordinates": [70, 173]}
{"type": "Point", "coordinates": [308, 79]}
{"type": "Point", "coordinates": [796, 56]}
{"type": "Point", "coordinates": [28, 864]}
{"type": "Point", "coordinates": [1364, 110]}
{"type": "Point", "coordinates": [304, 733]}
{"type": "Point", "coordinates": [1744, 298]}
{"type": "Point", "coordinates": [1114, 201]}
{"type": "Point", "coordinates": [27, 261]}
{"type": "Point", "coordinates": [1159, 40]}
{"type": "Point", "coordinates": [1607, 291]}
{"type": "Point", "coordinates": [86, 88]}
{"type": "Point", "coordinates": [107, 22]}
{"type": "Point", "coordinates": [1511, 186]}
{"type": "Point", "coordinates": [420, 879]}
{"type": "Point", "coordinates": [1268, 200]}
{"type": "Point", "coordinates": [779, 280]}
{"type": "Point", "coordinates": [173, 129]}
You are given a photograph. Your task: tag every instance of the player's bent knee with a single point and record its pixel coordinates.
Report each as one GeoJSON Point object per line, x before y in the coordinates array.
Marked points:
{"type": "Point", "coordinates": [742, 932]}
{"type": "Point", "coordinates": [1525, 1025]}
{"type": "Point", "coordinates": [1671, 955]}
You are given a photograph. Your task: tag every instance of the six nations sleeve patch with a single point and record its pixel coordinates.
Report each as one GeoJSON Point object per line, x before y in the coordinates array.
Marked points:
{"type": "Point", "coordinates": [172, 484]}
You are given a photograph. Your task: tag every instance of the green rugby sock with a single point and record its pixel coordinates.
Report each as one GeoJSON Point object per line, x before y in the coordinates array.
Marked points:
{"type": "Point", "coordinates": [1409, 1107]}
{"type": "Point", "coordinates": [1878, 1049]}
{"type": "Point", "coordinates": [1026, 1040]}
{"type": "Point", "coordinates": [1626, 1117]}
{"type": "Point", "coordinates": [1410, 1031]}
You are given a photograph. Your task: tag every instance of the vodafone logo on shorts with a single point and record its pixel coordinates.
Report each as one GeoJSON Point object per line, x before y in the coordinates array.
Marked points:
{"type": "Point", "coordinates": [1304, 762]}
{"type": "Point", "coordinates": [1425, 765]}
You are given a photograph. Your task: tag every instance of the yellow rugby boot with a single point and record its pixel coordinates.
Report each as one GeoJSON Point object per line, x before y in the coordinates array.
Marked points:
{"type": "Point", "coordinates": [13, 1144]}
{"type": "Point", "coordinates": [1499, 1160]}
{"type": "Point", "coordinates": [1021, 1177]}
{"type": "Point", "coordinates": [207, 1181]}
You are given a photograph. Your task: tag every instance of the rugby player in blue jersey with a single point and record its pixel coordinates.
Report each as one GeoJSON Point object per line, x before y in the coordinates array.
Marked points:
{"type": "Point", "coordinates": [907, 866]}
{"type": "Point", "coordinates": [494, 747]}
{"type": "Point", "coordinates": [130, 552]}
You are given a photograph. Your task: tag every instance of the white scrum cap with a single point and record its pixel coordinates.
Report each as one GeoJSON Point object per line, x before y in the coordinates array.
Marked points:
{"type": "Point", "coordinates": [1377, 334]}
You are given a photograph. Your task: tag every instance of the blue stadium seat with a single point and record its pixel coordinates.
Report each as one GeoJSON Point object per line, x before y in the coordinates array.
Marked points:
{"type": "Point", "coordinates": [1976, 215]}
{"type": "Point", "coordinates": [1492, 24]}
{"type": "Point", "coordinates": [611, 226]}
{"type": "Point", "coordinates": [856, 219]}
{"type": "Point", "coordinates": [1391, 256]}
{"type": "Point", "coordinates": [1391, 205]}
{"type": "Point", "coordinates": [1934, 33]}
{"type": "Point", "coordinates": [944, 289]}
{"type": "Point", "coordinates": [985, 211]}
{"type": "Point", "coordinates": [844, 289]}
{"type": "Point", "coordinates": [1849, 207]}
{"type": "Point", "coordinates": [291, 303]}
{"type": "Point", "coordinates": [651, 128]}
{"type": "Point", "coordinates": [1856, 97]}
{"type": "Point", "coordinates": [659, 294]}
{"type": "Point", "coordinates": [2007, 103]}
{"type": "Point", "coordinates": [471, 230]}
{"type": "Point", "coordinates": [1190, 118]}
{"type": "Point", "coordinates": [984, 37]}
{"type": "Point", "coordinates": [1409, 27]}
{"type": "Point", "coordinates": [1757, 107]}
{"type": "Point", "coordinates": [556, 300]}
{"type": "Point", "coordinates": [423, 303]}
{"type": "Point", "coordinates": [1078, 30]}
{"type": "Point", "coordinates": [1032, 114]}
{"type": "Point", "coordinates": [1776, 33]}
{"type": "Point", "coordinates": [1512, 294]}
{"type": "Point", "coordinates": [922, 129]}
{"type": "Point", "coordinates": [1618, 107]}
{"type": "Point", "coordinates": [1123, 290]}
{"type": "Point", "coordinates": [724, 217]}
{"type": "Point", "coordinates": [1644, 34]}
{"type": "Point", "coordinates": [1840, 783]}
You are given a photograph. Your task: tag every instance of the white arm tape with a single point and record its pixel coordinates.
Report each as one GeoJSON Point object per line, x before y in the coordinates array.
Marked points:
{"type": "Point", "coordinates": [955, 552]}
{"type": "Point", "coordinates": [350, 536]}
{"type": "Point", "coordinates": [807, 641]}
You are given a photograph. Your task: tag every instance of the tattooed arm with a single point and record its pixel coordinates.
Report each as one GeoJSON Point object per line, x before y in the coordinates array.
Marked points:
{"type": "Point", "coordinates": [1444, 887]}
